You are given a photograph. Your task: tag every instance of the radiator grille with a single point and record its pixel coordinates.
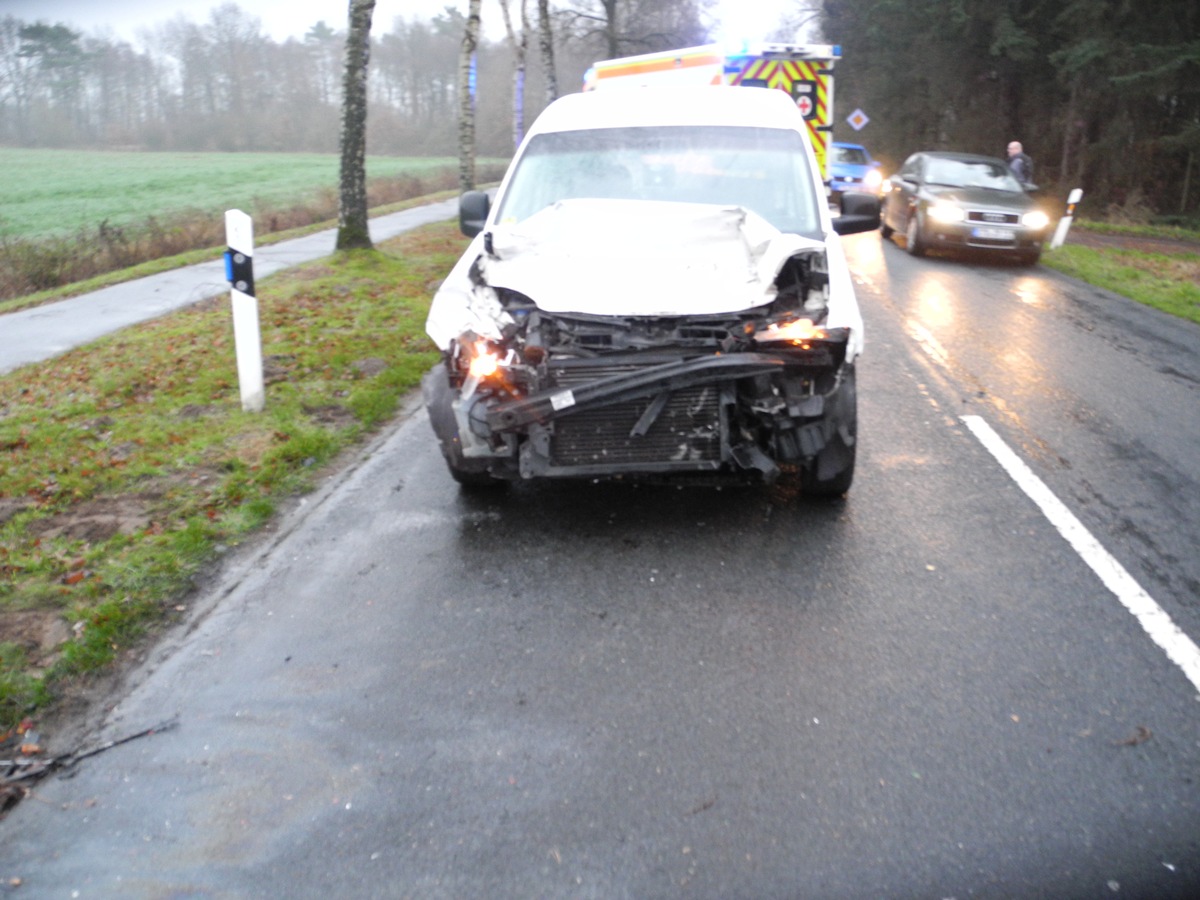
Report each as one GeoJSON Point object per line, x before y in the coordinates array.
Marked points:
{"type": "Point", "coordinates": [993, 218]}
{"type": "Point", "coordinates": [686, 434]}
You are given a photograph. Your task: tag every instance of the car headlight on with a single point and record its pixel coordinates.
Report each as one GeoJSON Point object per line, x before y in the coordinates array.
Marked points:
{"type": "Point", "coordinates": [946, 212]}
{"type": "Point", "coordinates": [1037, 220]}
{"type": "Point", "coordinates": [872, 180]}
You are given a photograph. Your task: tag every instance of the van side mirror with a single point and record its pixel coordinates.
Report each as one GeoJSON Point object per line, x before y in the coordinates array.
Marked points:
{"type": "Point", "coordinates": [860, 212]}
{"type": "Point", "coordinates": [473, 209]}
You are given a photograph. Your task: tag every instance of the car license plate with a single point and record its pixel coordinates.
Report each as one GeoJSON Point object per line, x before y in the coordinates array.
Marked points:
{"type": "Point", "coordinates": [992, 234]}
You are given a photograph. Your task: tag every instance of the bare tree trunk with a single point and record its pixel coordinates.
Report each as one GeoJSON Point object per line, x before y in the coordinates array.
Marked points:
{"type": "Point", "coordinates": [612, 31]}
{"type": "Point", "coordinates": [352, 184]}
{"type": "Point", "coordinates": [546, 45]}
{"type": "Point", "coordinates": [1064, 163]}
{"type": "Point", "coordinates": [520, 47]}
{"type": "Point", "coordinates": [466, 99]}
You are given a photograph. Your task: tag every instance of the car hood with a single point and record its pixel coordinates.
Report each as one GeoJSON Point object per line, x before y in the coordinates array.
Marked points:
{"type": "Point", "coordinates": [980, 198]}
{"type": "Point", "coordinates": [621, 258]}
{"type": "Point", "coordinates": [641, 258]}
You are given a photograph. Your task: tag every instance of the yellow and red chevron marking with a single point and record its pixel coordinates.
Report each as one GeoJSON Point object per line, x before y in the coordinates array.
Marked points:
{"type": "Point", "coordinates": [782, 74]}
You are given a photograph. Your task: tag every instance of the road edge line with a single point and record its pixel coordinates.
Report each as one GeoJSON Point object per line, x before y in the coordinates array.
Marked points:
{"type": "Point", "coordinates": [1155, 621]}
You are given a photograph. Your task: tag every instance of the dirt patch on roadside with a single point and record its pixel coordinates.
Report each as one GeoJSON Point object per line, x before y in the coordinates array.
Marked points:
{"type": "Point", "coordinates": [38, 632]}
{"type": "Point", "coordinates": [331, 414]}
{"type": "Point", "coordinates": [100, 519]}
{"type": "Point", "coordinates": [10, 506]}
{"type": "Point", "coordinates": [1099, 241]}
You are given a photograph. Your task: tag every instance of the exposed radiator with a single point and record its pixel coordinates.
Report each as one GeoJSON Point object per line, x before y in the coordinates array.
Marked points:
{"type": "Point", "coordinates": [686, 433]}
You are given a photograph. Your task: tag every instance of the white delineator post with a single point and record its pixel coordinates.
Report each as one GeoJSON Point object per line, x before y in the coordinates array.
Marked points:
{"type": "Point", "coordinates": [1060, 233]}
{"type": "Point", "coordinates": [239, 270]}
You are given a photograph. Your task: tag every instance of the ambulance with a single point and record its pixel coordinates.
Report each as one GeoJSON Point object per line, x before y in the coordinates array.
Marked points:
{"type": "Point", "coordinates": [805, 71]}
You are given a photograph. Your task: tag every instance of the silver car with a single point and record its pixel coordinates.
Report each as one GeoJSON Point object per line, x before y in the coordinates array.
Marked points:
{"type": "Point", "coordinates": [963, 201]}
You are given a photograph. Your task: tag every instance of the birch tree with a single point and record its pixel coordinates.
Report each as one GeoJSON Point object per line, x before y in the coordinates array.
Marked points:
{"type": "Point", "coordinates": [352, 184]}
{"type": "Point", "coordinates": [466, 99]}
{"type": "Point", "coordinates": [519, 42]}
{"type": "Point", "coordinates": [546, 47]}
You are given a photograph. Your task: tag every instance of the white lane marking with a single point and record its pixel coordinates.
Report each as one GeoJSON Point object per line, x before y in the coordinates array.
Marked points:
{"type": "Point", "coordinates": [924, 337]}
{"type": "Point", "coordinates": [1181, 649]}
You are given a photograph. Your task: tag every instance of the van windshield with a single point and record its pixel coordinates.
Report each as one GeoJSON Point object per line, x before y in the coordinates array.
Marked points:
{"type": "Point", "coordinates": [761, 169]}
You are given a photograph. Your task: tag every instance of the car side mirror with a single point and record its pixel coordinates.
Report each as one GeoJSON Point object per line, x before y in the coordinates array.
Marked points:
{"type": "Point", "coordinates": [473, 209]}
{"type": "Point", "coordinates": [860, 212]}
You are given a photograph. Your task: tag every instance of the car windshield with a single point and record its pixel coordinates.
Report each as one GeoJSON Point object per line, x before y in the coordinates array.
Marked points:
{"type": "Point", "coordinates": [851, 156]}
{"type": "Point", "coordinates": [983, 173]}
{"type": "Point", "coordinates": [761, 169]}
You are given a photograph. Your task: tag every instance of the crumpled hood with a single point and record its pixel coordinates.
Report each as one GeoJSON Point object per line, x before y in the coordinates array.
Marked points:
{"type": "Point", "coordinates": [631, 258]}
{"type": "Point", "coordinates": [641, 258]}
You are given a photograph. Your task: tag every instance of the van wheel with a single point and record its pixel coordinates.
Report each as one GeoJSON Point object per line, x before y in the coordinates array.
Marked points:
{"type": "Point", "coordinates": [831, 472]}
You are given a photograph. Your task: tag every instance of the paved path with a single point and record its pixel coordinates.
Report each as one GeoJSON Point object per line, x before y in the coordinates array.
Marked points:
{"type": "Point", "coordinates": [42, 332]}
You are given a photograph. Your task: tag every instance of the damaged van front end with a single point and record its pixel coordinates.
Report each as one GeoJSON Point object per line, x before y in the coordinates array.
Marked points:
{"type": "Point", "coordinates": [643, 340]}
{"type": "Point", "coordinates": [657, 293]}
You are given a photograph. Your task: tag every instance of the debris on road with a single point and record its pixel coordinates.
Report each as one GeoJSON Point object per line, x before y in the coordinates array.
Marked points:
{"type": "Point", "coordinates": [18, 773]}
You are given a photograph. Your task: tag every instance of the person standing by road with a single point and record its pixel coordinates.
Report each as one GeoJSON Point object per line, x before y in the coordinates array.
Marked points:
{"type": "Point", "coordinates": [1019, 163]}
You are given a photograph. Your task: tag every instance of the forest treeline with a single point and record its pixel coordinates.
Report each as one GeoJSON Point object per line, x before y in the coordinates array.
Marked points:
{"type": "Point", "coordinates": [222, 84]}
{"type": "Point", "coordinates": [1104, 94]}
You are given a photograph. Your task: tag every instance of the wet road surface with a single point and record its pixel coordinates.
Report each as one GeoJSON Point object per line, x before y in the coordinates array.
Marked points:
{"type": "Point", "coordinates": [608, 691]}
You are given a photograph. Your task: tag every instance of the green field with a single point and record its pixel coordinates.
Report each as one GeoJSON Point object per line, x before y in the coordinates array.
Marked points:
{"type": "Point", "coordinates": [58, 192]}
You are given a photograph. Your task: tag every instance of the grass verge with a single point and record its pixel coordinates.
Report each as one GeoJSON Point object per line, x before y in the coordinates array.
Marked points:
{"type": "Point", "coordinates": [1169, 282]}
{"type": "Point", "coordinates": [128, 465]}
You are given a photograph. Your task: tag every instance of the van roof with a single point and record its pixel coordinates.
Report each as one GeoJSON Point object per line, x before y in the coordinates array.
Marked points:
{"type": "Point", "coordinates": [637, 106]}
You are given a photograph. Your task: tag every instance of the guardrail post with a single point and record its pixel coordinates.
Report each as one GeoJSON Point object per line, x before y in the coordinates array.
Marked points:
{"type": "Point", "coordinates": [1064, 224]}
{"type": "Point", "coordinates": [239, 270]}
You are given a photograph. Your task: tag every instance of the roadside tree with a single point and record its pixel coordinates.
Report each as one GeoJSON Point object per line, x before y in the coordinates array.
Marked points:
{"type": "Point", "coordinates": [352, 231]}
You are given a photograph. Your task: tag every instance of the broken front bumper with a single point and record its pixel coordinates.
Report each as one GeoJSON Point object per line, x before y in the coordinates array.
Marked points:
{"type": "Point", "coordinates": [740, 414]}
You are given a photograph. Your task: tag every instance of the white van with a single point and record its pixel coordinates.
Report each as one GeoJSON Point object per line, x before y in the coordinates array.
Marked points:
{"type": "Point", "coordinates": [657, 292]}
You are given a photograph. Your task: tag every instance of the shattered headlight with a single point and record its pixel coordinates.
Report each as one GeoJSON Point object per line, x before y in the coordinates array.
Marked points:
{"type": "Point", "coordinates": [481, 362]}
{"type": "Point", "coordinates": [800, 332]}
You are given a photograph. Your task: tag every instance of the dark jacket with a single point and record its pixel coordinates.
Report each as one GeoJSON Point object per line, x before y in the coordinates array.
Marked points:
{"type": "Point", "coordinates": [1022, 167]}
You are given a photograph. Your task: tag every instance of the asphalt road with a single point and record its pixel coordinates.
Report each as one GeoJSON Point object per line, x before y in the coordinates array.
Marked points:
{"type": "Point", "coordinates": [607, 691]}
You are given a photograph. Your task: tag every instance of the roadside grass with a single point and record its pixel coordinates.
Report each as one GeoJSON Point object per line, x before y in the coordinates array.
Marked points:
{"type": "Point", "coordinates": [128, 465]}
{"type": "Point", "coordinates": [1167, 282]}
{"type": "Point", "coordinates": [62, 191]}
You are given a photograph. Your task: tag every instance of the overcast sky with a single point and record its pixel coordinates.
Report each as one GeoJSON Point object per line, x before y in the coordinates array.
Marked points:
{"type": "Point", "coordinates": [292, 18]}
